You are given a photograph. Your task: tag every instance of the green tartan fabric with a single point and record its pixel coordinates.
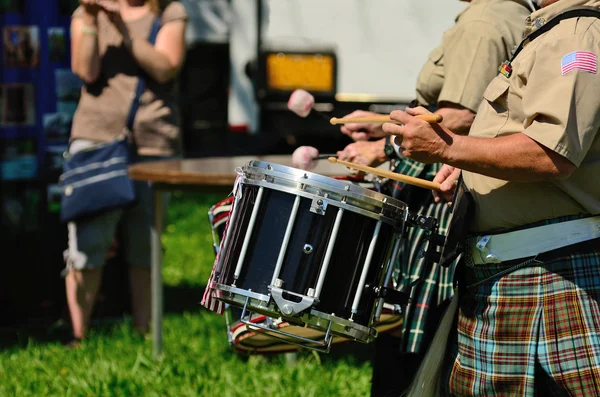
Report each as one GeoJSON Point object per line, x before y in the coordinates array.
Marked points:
{"type": "Point", "coordinates": [437, 282]}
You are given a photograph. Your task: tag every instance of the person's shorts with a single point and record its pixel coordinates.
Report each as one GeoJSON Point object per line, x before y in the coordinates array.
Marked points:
{"type": "Point", "coordinates": [90, 240]}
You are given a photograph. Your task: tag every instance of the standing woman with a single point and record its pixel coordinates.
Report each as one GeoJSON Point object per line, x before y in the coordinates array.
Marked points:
{"type": "Point", "coordinates": [109, 51]}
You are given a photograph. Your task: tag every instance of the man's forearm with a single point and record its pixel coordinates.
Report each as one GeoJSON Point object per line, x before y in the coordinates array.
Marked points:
{"type": "Point", "coordinates": [456, 118]}
{"type": "Point", "coordinates": [512, 158]}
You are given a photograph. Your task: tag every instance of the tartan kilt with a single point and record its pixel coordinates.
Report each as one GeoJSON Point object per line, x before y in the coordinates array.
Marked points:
{"type": "Point", "coordinates": [437, 282]}
{"type": "Point", "coordinates": [535, 331]}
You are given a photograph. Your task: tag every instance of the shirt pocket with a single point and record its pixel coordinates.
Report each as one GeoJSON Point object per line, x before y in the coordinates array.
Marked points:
{"type": "Point", "coordinates": [496, 94]}
{"type": "Point", "coordinates": [493, 112]}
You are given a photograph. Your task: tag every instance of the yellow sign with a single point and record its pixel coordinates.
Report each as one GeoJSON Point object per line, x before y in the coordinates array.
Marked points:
{"type": "Point", "coordinates": [312, 72]}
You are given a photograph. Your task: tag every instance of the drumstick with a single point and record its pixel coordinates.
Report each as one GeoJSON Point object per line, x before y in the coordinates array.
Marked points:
{"type": "Point", "coordinates": [390, 175]}
{"type": "Point", "coordinates": [430, 118]}
{"type": "Point", "coordinates": [324, 156]}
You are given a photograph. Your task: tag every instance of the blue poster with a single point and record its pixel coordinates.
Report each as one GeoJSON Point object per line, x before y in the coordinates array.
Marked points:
{"type": "Point", "coordinates": [38, 96]}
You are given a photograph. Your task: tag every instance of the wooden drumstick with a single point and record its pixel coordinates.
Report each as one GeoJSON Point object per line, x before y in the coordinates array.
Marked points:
{"type": "Point", "coordinates": [430, 118]}
{"type": "Point", "coordinates": [390, 175]}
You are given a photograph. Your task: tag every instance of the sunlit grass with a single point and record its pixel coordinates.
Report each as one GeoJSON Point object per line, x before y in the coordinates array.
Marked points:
{"type": "Point", "coordinates": [197, 360]}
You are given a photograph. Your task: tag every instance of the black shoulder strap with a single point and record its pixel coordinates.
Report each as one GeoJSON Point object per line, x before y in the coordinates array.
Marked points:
{"type": "Point", "coordinates": [578, 13]}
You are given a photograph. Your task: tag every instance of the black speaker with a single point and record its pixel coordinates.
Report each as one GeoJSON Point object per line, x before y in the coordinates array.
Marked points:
{"type": "Point", "coordinates": [204, 89]}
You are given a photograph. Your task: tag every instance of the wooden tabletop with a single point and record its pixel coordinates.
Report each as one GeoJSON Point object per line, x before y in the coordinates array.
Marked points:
{"type": "Point", "coordinates": [214, 171]}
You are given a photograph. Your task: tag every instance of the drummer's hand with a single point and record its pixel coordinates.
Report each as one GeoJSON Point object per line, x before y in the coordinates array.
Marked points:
{"type": "Point", "coordinates": [447, 177]}
{"type": "Point", "coordinates": [362, 131]}
{"type": "Point", "coordinates": [364, 152]}
{"type": "Point", "coordinates": [418, 139]}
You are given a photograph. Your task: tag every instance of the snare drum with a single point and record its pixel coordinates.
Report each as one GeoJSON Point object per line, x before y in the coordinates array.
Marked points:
{"type": "Point", "coordinates": [310, 249]}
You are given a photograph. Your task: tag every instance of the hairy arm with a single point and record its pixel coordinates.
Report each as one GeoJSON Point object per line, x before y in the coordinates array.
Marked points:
{"type": "Point", "coordinates": [512, 158]}
{"type": "Point", "coordinates": [516, 157]}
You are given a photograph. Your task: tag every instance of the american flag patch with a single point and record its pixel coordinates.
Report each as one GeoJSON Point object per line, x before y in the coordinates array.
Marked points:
{"type": "Point", "coordinates": [583, 60]}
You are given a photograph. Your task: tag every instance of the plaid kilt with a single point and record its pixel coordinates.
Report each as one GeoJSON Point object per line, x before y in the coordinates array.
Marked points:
{"type": "Point", "coordinates": [436, 284]}
{"type": "Point", "coordinates": [535, 331]}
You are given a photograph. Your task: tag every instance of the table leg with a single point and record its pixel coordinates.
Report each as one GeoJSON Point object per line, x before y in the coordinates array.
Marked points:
{"type": "Point", "coordinates": [157, 287]}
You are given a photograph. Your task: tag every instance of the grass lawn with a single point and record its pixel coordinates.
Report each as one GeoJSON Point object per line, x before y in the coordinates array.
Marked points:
{"type": "Point", "coordinates": [197, 360]}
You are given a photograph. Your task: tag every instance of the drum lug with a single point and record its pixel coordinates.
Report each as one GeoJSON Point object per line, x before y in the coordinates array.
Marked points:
{"type": "Point", "coordinates": [287, 307]}
{"type": "Point", "coordinates": [427, 223]}
{"type": "Point", "coordinates": [319, 205]}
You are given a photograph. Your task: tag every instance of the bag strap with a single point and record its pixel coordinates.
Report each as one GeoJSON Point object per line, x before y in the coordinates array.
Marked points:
{"type": "Point", "coordinates": [584, 12]}
{"type": "Point", "coordinates": [141, 86]}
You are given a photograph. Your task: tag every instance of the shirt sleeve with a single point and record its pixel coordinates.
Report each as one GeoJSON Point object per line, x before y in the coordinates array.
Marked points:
{"type": "Point", "coordinates": [175, 11]}
{"type": "Point", "coordinates": [472, 54]}
{"type": "Point", "coordinates": [560, 98]}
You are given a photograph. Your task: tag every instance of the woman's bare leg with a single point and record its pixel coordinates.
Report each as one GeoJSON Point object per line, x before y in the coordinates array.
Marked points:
{"type": "Point", "coordinates": [82, 287]}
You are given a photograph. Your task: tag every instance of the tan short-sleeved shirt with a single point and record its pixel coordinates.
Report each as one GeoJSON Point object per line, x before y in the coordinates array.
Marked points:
{"type": "Point", "coordinates": [555, 101]}
{"type": "Point", "coordinates": [104, 106]}
{"type": "Point", "coordinates": [459, 70]}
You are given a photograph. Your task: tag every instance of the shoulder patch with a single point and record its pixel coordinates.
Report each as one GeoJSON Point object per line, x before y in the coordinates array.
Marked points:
{"type": "Point", "coordinates": [579, 60]}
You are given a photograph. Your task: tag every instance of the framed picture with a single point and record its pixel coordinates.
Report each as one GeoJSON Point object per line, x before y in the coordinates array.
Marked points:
{"type": "Point", "coordinates": [57, 44]}
{"type": "Point", "coordinates": [18, 159]}
{"type": "Point", "coordinates": [57, 126]}
{"type": "Point", "coordinates": [17, 104]}
{"type": "Point", "coordinates": [21, 46]}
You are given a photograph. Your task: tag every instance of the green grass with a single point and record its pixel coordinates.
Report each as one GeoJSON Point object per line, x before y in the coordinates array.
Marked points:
{"type": "Point", "coordinates": [197, 360]}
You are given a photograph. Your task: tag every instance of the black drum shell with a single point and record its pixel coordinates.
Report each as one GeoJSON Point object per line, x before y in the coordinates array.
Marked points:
{"type": "Point", "coordinates": [300, 270]}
